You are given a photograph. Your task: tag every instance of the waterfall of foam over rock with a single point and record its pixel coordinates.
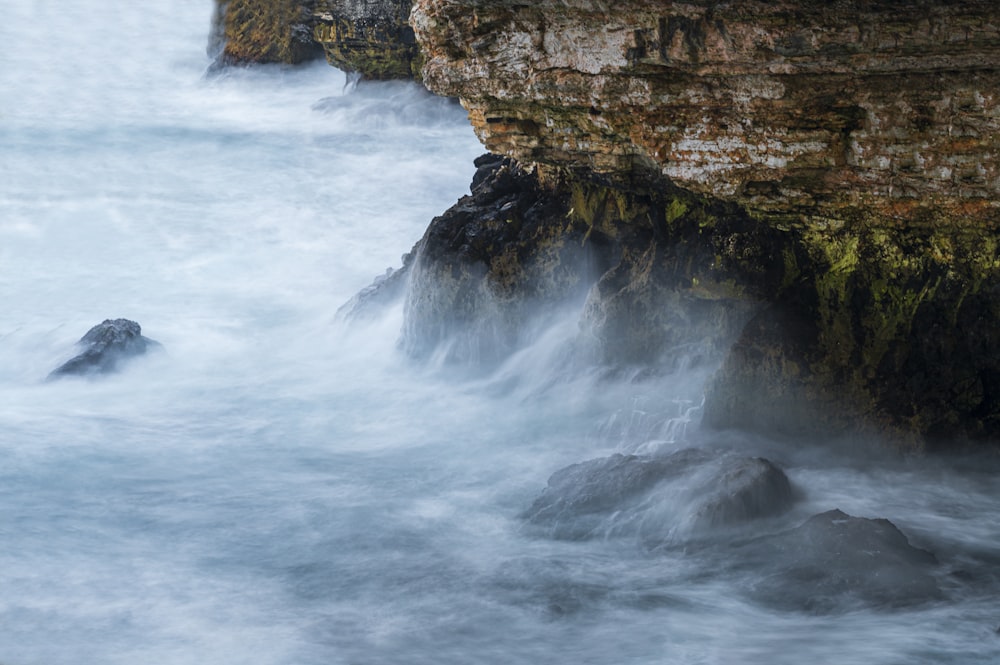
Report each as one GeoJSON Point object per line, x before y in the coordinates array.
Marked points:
{"type": "Point", "coordinates": [279, 487]}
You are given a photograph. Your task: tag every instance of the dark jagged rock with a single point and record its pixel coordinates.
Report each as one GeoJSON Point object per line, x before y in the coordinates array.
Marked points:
{"type": "Point", "coordinates": [492, 261]}
{"type": "Point", "coordinates": [835, 562]}
{"type": "Point", "coordinates": [107, 345]}
{"type": "Point", "coordinates": [659, 268]}
{"type": "Point", "coordinates": [659, 499]}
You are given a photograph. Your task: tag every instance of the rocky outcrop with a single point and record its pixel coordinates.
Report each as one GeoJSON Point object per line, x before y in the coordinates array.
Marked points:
{"type": "Point", "coordinates": [105, 347]}
{"type": "Point", "coordinates": [650, 268]}
{"type": "Point", "coordinates": [850, 149]}
{"type": "Point", "coordinates": [262, 31]}
{"type": "Point", "coordinates": [818, 182]}
{"type": "Point", "coordinates": [370, 37]}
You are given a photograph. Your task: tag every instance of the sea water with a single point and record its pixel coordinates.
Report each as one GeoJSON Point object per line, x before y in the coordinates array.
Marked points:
{"type": "Point", "coordinates": [278, 486]}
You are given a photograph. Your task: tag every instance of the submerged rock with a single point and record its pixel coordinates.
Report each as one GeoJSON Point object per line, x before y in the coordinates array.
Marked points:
{"type": "Point", "coordinates": [835, 561]}
{"type": "Point", "coordinates": [659, 499]}
{"type": "Point", "coordinates": [106, 346]}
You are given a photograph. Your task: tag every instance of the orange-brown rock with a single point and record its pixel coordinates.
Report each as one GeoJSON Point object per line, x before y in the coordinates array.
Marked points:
{"type": "Point", "coordinates": [263, 31]}
{"type": "Point", "coordinates": [864, 134]}
{"type": "Point", "coordinates": [883, 110]}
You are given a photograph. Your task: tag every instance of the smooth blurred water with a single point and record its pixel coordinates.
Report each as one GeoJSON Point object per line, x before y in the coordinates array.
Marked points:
{"type": "Point", "coordinates": [277, 487]}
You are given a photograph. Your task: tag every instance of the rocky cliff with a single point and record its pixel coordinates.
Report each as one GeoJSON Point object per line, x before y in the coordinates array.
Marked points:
{"type": "Point", "coordinates": [861, 134]}
{"type": "Point", "coordinates": [878, 110]}
{"type": "Point", "coordinates": [807, 190]}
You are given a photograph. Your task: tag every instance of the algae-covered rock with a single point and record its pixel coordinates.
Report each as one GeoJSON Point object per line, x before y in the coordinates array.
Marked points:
{"type": "Point", "coordinates": [371, 37]}
{"type": "Point", "coordinates": [654, 273]}
{"type": "Point", "coordinates": [892, 332]}
{"type": "Point", "coordinates": [263, 31]}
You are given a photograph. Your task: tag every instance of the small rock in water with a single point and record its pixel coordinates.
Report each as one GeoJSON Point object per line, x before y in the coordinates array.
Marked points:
{"type": "Point", "coordinates": [106, 345]}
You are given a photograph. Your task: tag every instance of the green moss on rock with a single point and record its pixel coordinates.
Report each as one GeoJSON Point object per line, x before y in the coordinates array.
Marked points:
{"type": "Point", "coordinates": [264, 31]}
{"type": "Point", "coordinates": [372, 38]}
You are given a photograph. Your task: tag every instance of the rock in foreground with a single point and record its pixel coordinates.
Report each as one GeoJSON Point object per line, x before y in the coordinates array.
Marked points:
{"type": "Point", "coordinates": [659, 499]}
{"type": "Point", "coordinates": [107, 345]}
{"type": "Point", "coordinates": [835, 561]}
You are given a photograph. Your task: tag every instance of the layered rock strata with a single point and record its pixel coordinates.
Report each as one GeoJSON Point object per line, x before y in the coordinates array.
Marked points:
{"type": "Point", "coordinates": [861, 134]}
{"type": "Point", "coordinates": [879, 111]}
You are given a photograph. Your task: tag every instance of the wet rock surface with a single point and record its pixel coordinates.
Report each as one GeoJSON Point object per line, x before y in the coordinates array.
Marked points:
{"type": "Point", "coordinates": [863, 135]}
{"type": "Point", "coordinates": [835, 562]}
{"type": "Point", "coordinates": [661, 500]}
{"type": "Point", "coordinates": [106, 347]}
{"type": "Point", "coordinates": [385, 289]}
{"type": "Point", "coordinates": [713, 506]}
{"type": "Point", "coordinates": [494, 259]}
{"type": "Point", "coordinates": [650, 274]}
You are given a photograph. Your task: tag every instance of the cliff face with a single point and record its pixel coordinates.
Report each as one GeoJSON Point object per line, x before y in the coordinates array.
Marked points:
{"type": "Point", "coordinates": [861, 134]}
{"type": "Point", "coordinates": [882, 110]}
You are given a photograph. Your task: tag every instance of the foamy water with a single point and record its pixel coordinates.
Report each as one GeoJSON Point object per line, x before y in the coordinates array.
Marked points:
{"type": "Point", "coordinates": [278, 487]}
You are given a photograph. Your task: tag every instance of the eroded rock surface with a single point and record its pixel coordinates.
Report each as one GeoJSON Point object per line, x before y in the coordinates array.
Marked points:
{"type": "Point", "coordinates": [851, 109]}
{"type": "Point", "coordinates": [649, 269]}
{"type": "Point", "coordinates": [106, 347]}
